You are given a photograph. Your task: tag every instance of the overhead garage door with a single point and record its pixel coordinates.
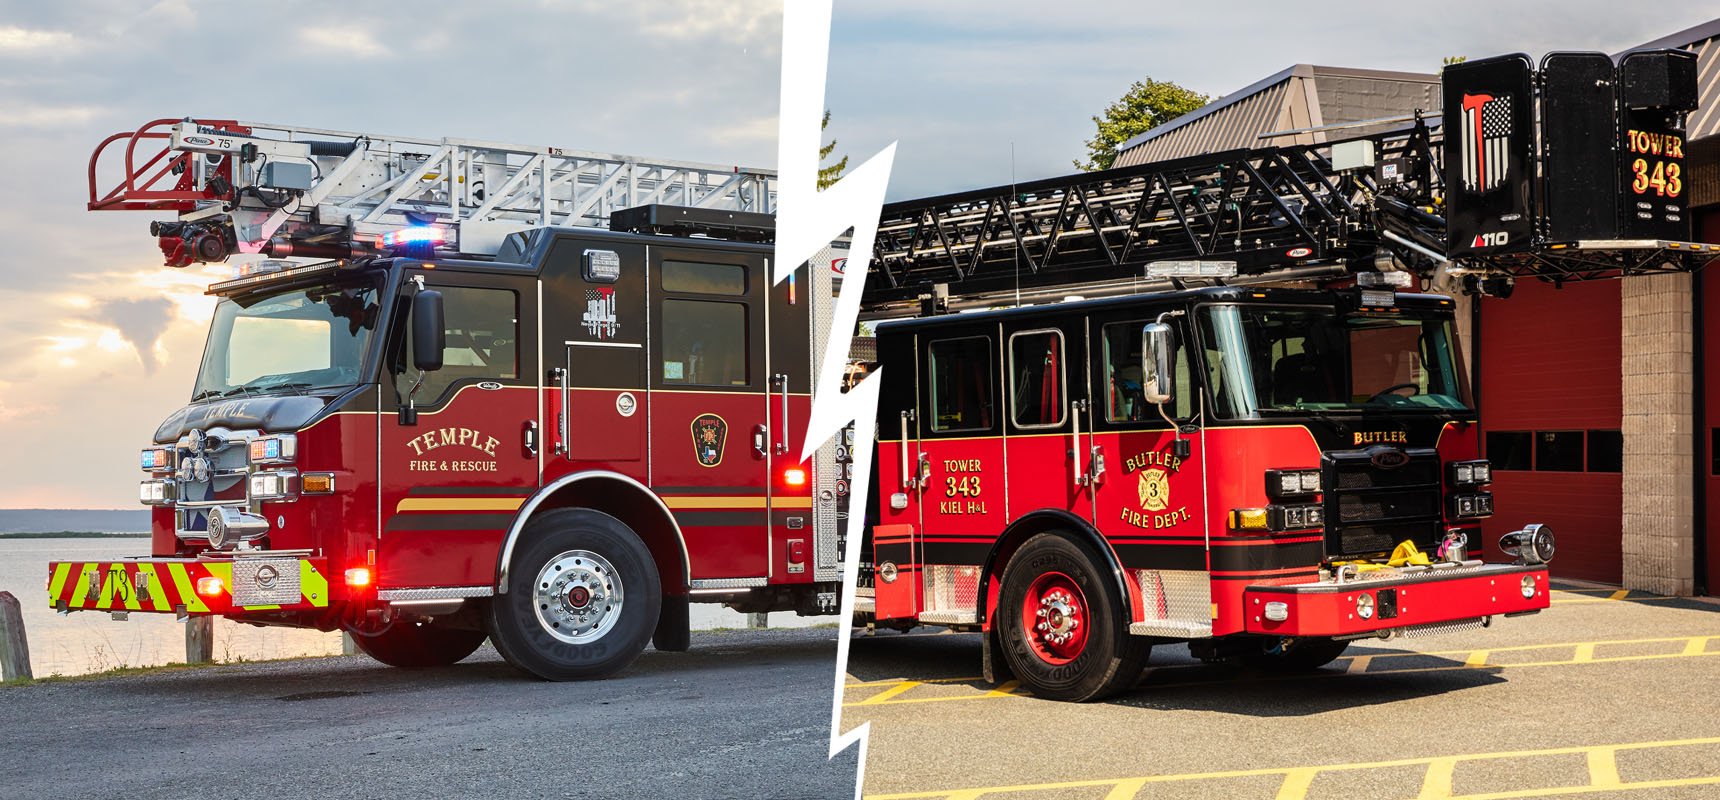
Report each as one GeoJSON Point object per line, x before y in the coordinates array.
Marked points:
{"type": "Point", "coordinates": [1550, 418]}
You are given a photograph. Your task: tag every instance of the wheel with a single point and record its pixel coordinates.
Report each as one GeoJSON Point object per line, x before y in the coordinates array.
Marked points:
{"type": "Point", "coordinates": [1285, 654]}
{"type": "Point", "coordinates": [1061, 623]}
{"type": "Point", "coordinates": [416, 645]}
{"type": "Point", "coordinates": [583, 597]}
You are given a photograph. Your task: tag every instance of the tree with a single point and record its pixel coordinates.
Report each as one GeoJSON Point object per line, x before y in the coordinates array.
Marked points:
{"type": "Point", "coordinates": [828, 176]}
{"type": "Point", "coordinates": [1146, 105]}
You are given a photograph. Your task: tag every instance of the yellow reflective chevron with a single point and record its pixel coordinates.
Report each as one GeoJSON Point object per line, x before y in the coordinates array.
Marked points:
{"type": "Point", "coordinates": [57, 583]}
{"type": "Point", "coordinates": [187, 593]}
{"type": "Point", "coordinates": [312, 585]}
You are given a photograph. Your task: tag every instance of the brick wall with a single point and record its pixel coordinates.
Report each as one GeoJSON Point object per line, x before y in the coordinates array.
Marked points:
{"type": "Point", "coordinates": [1657, 372]}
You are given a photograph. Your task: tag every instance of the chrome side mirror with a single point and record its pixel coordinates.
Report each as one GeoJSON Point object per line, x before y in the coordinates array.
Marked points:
{"type": "Point", "coordinates": [1158, 343]}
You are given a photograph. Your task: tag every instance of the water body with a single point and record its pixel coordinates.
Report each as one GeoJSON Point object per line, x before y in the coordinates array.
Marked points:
{"type": "Point", "coordinates": [91, 641]}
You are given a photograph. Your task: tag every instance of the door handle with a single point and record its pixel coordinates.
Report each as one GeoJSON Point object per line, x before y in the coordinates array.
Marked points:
{"type": "Point", "coordinates": [760, 434]}
{"type": "Point", "coordinates": [531, 438]}
{"type": "Point", "coordinates": [559, 375]}
{"type": "Point", "coordinates": [782, 445]}
{"type": "Point", "coordinates": [1075, 454]}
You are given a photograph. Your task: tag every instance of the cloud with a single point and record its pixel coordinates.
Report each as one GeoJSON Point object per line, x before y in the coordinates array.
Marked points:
{"type": "Point", "coordinates": [14, 39]}
{"type": "Point", "coordinates": [344, 41]}
{"type": "Point", "coordinates": [46, 116]}
{"type": "Point", "coordinates": [140, 322]}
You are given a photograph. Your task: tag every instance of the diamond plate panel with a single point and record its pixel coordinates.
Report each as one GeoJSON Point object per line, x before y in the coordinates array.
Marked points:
{"type": "Point", "coordinates": [265, 581]}
{"type": "Point", "coordinates": [1176, 600]}
{"type": "Point", "coordinates": [829, 472]}
{"type": "Point", "coordinates": [951, 589]}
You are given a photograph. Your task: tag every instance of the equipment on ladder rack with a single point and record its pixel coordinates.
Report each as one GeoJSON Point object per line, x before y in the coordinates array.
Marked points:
{"type": "Point", "coordinates": [1467, 194]}
{"type": "Point", "coordinates": [287, 191]}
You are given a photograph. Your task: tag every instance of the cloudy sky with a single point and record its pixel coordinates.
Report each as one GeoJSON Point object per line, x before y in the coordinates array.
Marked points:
{"type": "Point", "coordinates": [102, 341]}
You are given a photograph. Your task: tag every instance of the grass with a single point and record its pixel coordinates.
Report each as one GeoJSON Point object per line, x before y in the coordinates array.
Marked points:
{"type": "Point", "coordinates": [70, 535]}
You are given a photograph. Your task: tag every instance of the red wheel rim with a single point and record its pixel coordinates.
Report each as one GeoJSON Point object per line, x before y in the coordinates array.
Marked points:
{"type": "Point", "coordinates": [1054, 618]}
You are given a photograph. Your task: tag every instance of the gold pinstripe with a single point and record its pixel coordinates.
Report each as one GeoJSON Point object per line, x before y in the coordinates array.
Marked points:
{"type": "Point", "coordinates": [460, 504]}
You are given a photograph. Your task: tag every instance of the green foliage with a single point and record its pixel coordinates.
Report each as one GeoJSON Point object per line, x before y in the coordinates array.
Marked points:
{"type": "Point", "coordinates": [828, 176]}
{"type": "Point", "coordinates": [1146, 105]}
{"type": "Point", "coordinates": [1449, 60]}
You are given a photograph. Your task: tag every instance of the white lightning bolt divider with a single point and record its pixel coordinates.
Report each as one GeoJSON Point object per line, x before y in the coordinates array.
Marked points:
{"type": "Point", "coordinates": [807, 220]}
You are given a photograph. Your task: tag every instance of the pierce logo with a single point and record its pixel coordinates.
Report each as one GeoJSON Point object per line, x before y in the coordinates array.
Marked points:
{"type": "Point", "coordinates": [1299, 252]}
{"type": "Point", "coordinates": [199, 141]}
{"type": "Point", "coordinates": [1388, 457]}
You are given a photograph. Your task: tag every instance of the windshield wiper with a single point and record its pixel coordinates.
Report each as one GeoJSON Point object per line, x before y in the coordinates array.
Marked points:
{"type": "Point", "coordinates": [267, 387]}
{"type": "Point", "coordinates": [206, 394]}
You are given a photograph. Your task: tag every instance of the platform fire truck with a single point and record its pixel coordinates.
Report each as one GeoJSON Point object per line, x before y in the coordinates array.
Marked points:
{"type": "Point", "coordinates": [1251, 432]}
{"type": "Point", "coordinates": [472, 390]}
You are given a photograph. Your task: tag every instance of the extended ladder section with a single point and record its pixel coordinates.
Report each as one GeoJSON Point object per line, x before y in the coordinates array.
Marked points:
{"type": "Point", "coordinates": [292, 191]}
{"type": "Point", "coordinates": [1571, 171]}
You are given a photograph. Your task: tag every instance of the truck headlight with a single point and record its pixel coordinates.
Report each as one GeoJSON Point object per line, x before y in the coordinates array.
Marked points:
{"type": "Point", "coordinates": [1283, 483]}
{"type": "Point", "coordinates": [282, 449]}
{"type": "Point", "coordinates": [1470, 474]}
{"type": "Point", "coordinates": [277, 484]}
{"type": "Point", "coordinates": [1472, 506]}
{"type": "Point", "coordinates": [155, 492]}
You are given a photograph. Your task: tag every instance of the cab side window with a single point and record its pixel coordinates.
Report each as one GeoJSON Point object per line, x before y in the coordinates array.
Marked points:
{"type": "Point", "coordinates": [1037, 387]}
{"type": "Point", "coordinates": [962, 377]}
{"type": "Point", "coordinates": [483, 330]}
{"type": "Point", "coordinates": [705, 338]}
{"type": "Point", "coordinates": [1125, 399]}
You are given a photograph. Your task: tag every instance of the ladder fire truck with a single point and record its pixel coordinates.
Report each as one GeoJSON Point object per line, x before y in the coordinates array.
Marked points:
{"type": "Point", "coordinates": [543, 396]}
{"type": "Point", "coordinates": [1251, 431]}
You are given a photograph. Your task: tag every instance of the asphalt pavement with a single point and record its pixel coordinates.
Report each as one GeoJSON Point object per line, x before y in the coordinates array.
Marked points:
{"type": "Point", "coordinates": [744, 714]}
{"type": "Point", "coordinates": [1606, 694]}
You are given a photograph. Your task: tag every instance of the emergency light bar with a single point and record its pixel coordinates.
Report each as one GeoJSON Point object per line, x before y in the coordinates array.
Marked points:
{"type": "Point", "coordinates": [1191, 269]}
{"type": "Point", "coordinates": [415, 235]}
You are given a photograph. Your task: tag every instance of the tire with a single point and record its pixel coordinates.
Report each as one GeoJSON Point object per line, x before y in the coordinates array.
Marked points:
{"type": "Point", "coordinates": [583, 597]}
{"type": "Point", "coordinates": [419, 645]}
{"type": "Point", "coordinates": [1288, 655]}
{"type": "Point", "coordinates": [1093, 657]}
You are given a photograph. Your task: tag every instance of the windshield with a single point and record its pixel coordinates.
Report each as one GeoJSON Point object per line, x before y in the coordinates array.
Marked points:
{"type": "Point", "coordinates": [1263, 359]}
{"type": "Point", "coordinates": [296, 340]}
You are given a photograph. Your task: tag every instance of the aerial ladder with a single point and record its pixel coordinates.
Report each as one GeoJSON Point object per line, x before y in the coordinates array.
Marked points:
{"type": "Point", "coordinates": [1585, 181]}
{"type": "Point", "coordinates": [286, 191]}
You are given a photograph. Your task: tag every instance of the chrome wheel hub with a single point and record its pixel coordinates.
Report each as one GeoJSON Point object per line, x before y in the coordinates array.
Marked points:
{"type": "Point", "coordinates": [577, 596]}
{"type": "Point", "coordinates": [1059, 617]}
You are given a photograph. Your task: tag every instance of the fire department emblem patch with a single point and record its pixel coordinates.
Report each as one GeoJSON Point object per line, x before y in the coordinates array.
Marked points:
{"type": "Point", "coordinates": [599, 318]}
{"type": "Point", "coordinates": [1154, 489]}
{"type": "Point", "coordinates": [710, 433]}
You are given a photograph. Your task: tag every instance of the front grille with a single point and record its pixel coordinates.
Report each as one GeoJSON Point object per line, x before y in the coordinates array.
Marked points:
{"type": "Point", "coordinates": [1369, 510]}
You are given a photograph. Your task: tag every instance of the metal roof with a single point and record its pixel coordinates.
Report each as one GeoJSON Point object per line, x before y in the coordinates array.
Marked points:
{"type": "Point", "coordinates": [1704, 41]}
{"type": "Point", "coordinates": [1302, 96]}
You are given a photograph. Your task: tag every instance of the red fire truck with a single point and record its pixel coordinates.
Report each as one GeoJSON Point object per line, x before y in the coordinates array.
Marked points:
{"type": "Point", "coordinates": [553, 413]}
{"type": "Point", "coordinates": [1250, 432]}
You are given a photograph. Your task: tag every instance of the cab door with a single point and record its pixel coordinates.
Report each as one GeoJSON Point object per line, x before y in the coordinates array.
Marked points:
{"type": "Point", "coordinates": [710, 413]}
{"type": "Point", "coordinates": [1150, 504]}
{"type": "Point", "coordinates": [453, 477]}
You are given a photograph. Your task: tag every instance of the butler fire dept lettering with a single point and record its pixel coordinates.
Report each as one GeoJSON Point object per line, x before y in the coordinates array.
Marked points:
{"type": "Point", "coordinates": [1153, 470]}
{"type": "Point", "coordinates": [443, 437]}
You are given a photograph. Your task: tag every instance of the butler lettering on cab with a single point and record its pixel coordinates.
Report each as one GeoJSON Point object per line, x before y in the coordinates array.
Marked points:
{"type": "Point", "coordinates": [1381, 437]}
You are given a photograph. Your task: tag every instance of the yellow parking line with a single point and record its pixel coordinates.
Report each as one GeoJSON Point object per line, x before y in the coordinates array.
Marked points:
{"type": "Point", "coordinates": [1603, 767]}
{"type": "Point", "coordinates": [888, 693]}
{"type": "Point", "coordinates": [1619, 595]}
{"type": "Point", "coordinates": [1126, 790]}
{"type": "Point", "coordinates": [1437, 782]}
{"type": "Point", "coordinates": [1295, 786]}
{"type": "Point", "coordinates": [1698, 645]}
{"type": "Point", "coordinates": [1585, 652]}
{"type": "Point", "coordinates": [1477, 658]}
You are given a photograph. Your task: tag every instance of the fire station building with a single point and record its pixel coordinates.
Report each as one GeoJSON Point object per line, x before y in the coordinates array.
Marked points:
{"type": "Point", "coordinates": [1599, 399]}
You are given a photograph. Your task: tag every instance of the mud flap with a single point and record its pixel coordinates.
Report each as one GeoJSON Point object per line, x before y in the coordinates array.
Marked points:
{"type": "Point", "coordinates": [674, 627]}
{"type": "Point", "coordinates": [995, 669]}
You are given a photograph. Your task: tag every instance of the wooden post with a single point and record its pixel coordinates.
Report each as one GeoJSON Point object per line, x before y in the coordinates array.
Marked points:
{"type": "Point", "coordinates": [348, 647]}
{"type": "Point", "coordinates": [200, 639]}
{"type": "Point", "coordinates": [757, 620]}
{"type": "Point", "coordinates": [14, 647]}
